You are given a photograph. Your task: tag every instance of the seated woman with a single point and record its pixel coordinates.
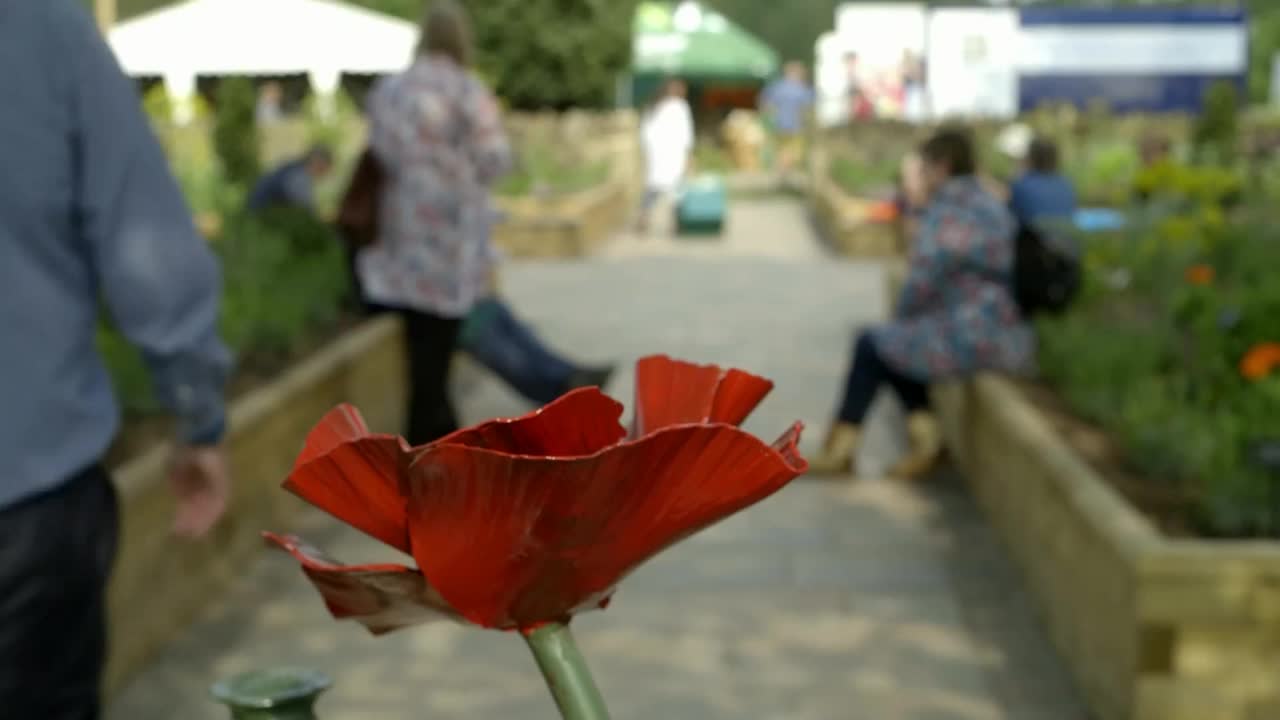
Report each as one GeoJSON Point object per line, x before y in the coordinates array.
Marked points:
{"type": "Point", "coordinates": [1042, 193]}
{"type": "Point", "coordinates": [956, 314]}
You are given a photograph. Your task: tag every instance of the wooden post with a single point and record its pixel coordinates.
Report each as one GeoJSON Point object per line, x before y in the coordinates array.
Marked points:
{"type": "Point", "coordinates": [105, 10]}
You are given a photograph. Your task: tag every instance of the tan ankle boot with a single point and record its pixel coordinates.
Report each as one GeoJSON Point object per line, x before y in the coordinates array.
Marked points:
{"type": "Point", "coordinates": [838, 452]}
{"type": "Point", "coordinates": [924, 439]}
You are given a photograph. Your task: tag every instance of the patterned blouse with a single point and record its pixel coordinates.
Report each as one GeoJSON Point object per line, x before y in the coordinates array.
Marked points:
{"type": "Point", "coordinates": [956, 314]}
{"type": "Point", "coordinates": [438, 133]}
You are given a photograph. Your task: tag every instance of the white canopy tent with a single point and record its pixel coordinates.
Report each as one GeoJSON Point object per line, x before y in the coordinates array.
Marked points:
{"type": "Point", "coordinates": [319, 38]}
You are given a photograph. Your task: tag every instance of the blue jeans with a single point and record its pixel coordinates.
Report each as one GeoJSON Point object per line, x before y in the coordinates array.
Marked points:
{"type": "Point", "coordinates": [499, 341]}
{"type": "Point", "coordinates": [867, 373]}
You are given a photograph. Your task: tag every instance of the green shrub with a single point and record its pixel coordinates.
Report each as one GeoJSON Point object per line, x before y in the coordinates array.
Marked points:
{"type": "Point", "coordinates": [544, 54]}
{"type": "Point", "coordinates": [334, 129]}
{"type": "Point", "coordinates": [1217, 129]}
{"type": "Point", "coordinates": [285, 278]}
{"type": "Point", "coordinates": [235, 131]}
{"type": "Point", "coordinates": [553, 54]}
{"type": "Point", "coordinates": [1152, 353]}
{"type": "Point", "coordinates": [860, 176]}
{"type": "Point", "coordinates": [1104, 172]}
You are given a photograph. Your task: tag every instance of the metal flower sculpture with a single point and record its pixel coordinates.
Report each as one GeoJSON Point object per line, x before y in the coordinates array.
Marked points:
{"type": "Point", "coordinates": [519, 524]}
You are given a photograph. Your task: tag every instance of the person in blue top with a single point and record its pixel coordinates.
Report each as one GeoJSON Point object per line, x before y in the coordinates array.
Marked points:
{"type": "Point", "coordinates": [293, 183]}
{"type": "Point", "coordinates": [1042, 193]}
{"type": "Point", "coordinates": [787, 102]}
{"type": "Point", "coordinates": [91, 218]}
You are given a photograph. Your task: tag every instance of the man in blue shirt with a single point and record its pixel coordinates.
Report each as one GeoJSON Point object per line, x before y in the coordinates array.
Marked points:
{"type": "Point", "coordinates": [88, 211]}
{"type": "Point", "coordinates": [293, 183]}
{"type": "Point", "coordinates": [787, 102]}
{"type": "Point", "coordinates": [1042, 193]}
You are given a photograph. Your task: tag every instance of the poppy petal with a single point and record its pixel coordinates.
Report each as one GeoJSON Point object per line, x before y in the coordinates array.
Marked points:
{"type": "Point", "coordinates": [513, 541]}
{"type": "Point", "coordinates": [580, 422]}
{"type": "Point", "coordinates": [383, 597]}
{"type": "Point", "coordinates": [673, 392]}
{"type": "Point", "coordinates": [354, 475]}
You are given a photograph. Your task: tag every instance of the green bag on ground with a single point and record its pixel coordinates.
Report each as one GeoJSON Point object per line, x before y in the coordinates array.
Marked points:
{"type": "Point", "coordinates": [702, 206]}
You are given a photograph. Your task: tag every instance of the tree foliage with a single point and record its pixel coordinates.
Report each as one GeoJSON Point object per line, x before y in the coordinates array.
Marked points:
{"type": "Point", "coordinates": [542, 54]}
{"type": "Point", "coordinates": [574, 55]}
{"type": "Point", "coordinates": [1216, 131]}
{"type": "Point", "coordinates": [235, 132]}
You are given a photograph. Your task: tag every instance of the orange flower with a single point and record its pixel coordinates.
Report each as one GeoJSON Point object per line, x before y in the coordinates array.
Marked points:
{"type": "Point", "coordinates": [1200, 274]}
{"type": "Point", "coordinates": [882, 212]}
{"type": "Point", "coordinates": [1261, 360]}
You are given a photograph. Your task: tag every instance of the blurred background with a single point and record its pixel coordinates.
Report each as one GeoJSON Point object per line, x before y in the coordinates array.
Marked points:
{"type": "Point", "coordinates": [1162, 377]}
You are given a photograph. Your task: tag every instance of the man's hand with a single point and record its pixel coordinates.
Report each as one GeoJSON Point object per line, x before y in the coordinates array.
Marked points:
{"type": "Point", "coordinates": [201, 485]}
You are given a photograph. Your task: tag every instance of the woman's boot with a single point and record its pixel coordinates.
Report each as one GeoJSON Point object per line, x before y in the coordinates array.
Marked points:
{"type": "Point", "coordinates": [924, 445]}
{"type": "Point", "coordinates": [838, 452]}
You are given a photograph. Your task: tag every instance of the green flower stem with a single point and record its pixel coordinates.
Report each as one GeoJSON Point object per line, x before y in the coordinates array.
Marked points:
{"type": "Point", "coordinates": [566, 672]}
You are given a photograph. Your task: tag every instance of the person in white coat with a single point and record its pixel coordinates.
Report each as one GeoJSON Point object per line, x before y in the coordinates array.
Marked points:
{"type": "Point", "coordinates": [667, 139]}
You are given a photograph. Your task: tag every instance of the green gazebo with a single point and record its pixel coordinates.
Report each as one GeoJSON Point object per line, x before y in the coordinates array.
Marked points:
{"type": "Point", "coordinates": [697, 44]}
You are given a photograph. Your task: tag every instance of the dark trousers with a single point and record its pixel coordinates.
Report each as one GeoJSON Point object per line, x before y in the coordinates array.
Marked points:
{"type": "Point", "coordinates": [56, 552]}
{"type": "Point", "coordinates": [866, 374]}
{"type": "Point", "coordinates": [430, 341]}
{"type": "Point", "coordinates": [355, 297]}
{"type": "Point", "coordinates": [512, 351]}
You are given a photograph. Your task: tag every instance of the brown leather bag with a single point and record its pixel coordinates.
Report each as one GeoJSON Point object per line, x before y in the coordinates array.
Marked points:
{"type": "Point", "coordinates": [358, 212]}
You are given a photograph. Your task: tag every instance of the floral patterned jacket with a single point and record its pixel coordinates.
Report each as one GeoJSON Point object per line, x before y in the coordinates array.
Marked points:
{"type": "Point", "coordinates": [438, 133]}
{"type": "Point", "coordinates": [956, 314]}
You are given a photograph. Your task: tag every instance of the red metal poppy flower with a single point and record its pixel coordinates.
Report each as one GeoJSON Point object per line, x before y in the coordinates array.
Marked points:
{"type": "Point", "coordinates": [515, 523]}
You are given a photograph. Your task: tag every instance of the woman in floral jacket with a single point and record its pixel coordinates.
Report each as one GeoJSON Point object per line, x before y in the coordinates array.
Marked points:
{"type": "Point", "coordinates": [956, 315]}
{"type": "Point", "coordinates": [437, 133]}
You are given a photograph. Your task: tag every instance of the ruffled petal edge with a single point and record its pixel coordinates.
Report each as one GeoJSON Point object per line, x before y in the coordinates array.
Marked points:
{"type": "Point", "coordinates": [383, 597]}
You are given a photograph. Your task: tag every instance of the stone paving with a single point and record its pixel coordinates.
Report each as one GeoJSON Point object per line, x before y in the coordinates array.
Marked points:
{"type": "Point", "coordinates": [857, 600]}
{"type": "Point", "coordinates": [759, 227]}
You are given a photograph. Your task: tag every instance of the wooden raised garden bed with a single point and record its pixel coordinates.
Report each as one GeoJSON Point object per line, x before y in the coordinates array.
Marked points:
{"type": "Point", "coordinates": [160, 584]}
{"type": "Point", "coordinates": [853, 226]}
{"type": "Point", "coordinates": [566, 226]}
{"type": "Point", "coordinates": [1154, 626]}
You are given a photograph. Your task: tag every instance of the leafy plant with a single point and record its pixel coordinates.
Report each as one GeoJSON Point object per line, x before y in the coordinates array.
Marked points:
{"type": "Point", "coordinates": [285, 277]}
{"type": "Point", "coordinates": [235, 130]}
{"type": "Point", "coordinates": [332, 128]}
{"type": "Point", "coordinates": [1216, 131]}
{"type": "Point", "coordinates": [1156, 361]}
{"type": "Point", "coordinates": [858, 176]}
{"type": "Point", "coordinates": [1104, 172]}
{"type": "Point", "coordinates": [544, 54]}
{"type": "Point", "coordinates": [553, 54]}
